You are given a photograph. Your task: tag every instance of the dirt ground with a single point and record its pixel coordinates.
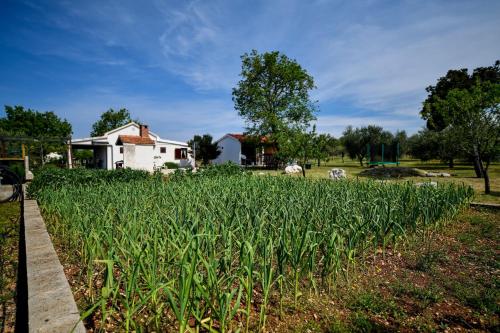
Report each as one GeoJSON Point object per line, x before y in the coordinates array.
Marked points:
{"type": "Point", "coordinates": [449, 283]}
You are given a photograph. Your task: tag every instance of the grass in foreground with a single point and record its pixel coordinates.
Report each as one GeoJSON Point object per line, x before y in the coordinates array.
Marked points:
{"type": "Point", "coordinates": [227, 253]}
{"type": "Point", "coordinates": [9, 243]}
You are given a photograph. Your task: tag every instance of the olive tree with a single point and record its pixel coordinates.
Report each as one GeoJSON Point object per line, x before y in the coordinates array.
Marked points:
{"type": "Point", "coordinates": [475, 114]}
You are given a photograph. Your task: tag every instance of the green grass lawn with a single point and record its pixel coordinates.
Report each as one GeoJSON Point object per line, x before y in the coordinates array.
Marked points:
{"type": "Point", "coordinates": [461, 173]}
{"type": "Point", "coordinates": [9, 239]}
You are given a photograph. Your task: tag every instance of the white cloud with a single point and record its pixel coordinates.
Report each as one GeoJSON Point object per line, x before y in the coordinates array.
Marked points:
{"type": "Point", "coordinates": [379, 68]}
{"type": "Point", "coordinates": [176, 120]}
{"type": "Point", "coordinates": [337, 124]}
{"type": "Point", "coordinates": [377, 57]}
{"type": "Point", "coordinates": [374, 57]}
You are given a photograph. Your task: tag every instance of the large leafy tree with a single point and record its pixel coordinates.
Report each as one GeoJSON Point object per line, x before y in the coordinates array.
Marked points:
{"type": "Point", "coordinates": [424, 145]}
{"type": "Point", "coordinates": [401, 138]}
{"type": "Point", "coordinates": [354, 144]}
{"type": "Point", "coordinates": [273, 96]}
{"type": "Point", "coordinates": [474, 114]}
{"type": "Point", "coordinates": [48, 131]}
{"type": "Point", "coordinates": [324, 147]}
{"type": "Point", "coordinates": [356, 140]}
{"type": "Point", "coordinates": [297, 144]}
{"type": "Point", "coordinates": [427, 145]}
{"type": "Point", "coordinates": [34, 124]}
{"type": "Point", "coordinates": [109, 120]}
{"type": "Point", "coordinates": [439, 118]}
{"type": "Point", "coordinates": [205, 149]}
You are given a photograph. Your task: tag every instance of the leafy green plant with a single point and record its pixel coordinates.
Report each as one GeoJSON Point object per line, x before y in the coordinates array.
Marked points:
{"type": "Point", "coordinates": [55, 178]}
{"type": "Point", "coordinates": [217, 247]}
{"type": "Point", "coordinates": [375, 303]}
{"type": "Point", "coordinates": [171, 165]}
{"type": "Point", "coordinates": [211, 170]}
{"type": "Point", "coordinates": [427, 260]}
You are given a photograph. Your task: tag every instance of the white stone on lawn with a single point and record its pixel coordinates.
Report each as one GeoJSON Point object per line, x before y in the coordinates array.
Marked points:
{"type": "Point", "coordinates": [337, 174]}
{"type": "Point", "coordinates": [293, 169]}
{"type": "Point", "coordinates": [433, 184]}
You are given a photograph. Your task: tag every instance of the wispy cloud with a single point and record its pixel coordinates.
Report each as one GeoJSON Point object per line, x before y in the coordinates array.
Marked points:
{"type": "Point", "coordinates": [176, 62]}
{"type": "Point", "coordinates": [177, 120]}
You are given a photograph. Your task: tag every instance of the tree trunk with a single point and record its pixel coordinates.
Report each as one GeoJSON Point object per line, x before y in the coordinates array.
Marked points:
{"type": "Point", "coordinates": [41, 154]}
{"type": "Point", "coordinates": [478, 167]}
{"type": "Point", "coordinates": [451, 163]}
{"type": "Point", "coordinates": [304, 169]}
{"type": "Point", "coordinates": [275, 152]}
{"type": "Point", "coordinates": [319, 162]}
{"type": "Point", "coordinates": [487, 189]}
{"type": "Point", "coordinates": [360, 160]}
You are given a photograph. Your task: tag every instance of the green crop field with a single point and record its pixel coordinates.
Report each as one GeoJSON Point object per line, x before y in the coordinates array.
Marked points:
{"type": "Point", "coordinates": [462, 173]}
{"type": "Point", "coordinates": [222, 253]}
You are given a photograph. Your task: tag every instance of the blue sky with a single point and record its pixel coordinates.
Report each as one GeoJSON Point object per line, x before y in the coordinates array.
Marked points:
{"type": "Point", "coordinates": [173, 63]}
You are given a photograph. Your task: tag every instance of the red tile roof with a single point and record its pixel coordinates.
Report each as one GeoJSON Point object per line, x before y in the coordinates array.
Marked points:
{"type": "Point", "coordinates": [135, 139]}
{"type": "Point", "coordinates": [243, 137]}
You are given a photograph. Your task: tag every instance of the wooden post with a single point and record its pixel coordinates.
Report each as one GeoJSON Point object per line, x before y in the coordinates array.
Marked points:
{"type": "Point", "coordinates": [368, 154]}
{"type": "Point", "coordinates": [70, 156]}
{"type": "Point", "coordinates": [397, 154]}
{"type": "Point", "coordinates": [41, 154]}
{"type": "Point", "coordinates": [3, 149]}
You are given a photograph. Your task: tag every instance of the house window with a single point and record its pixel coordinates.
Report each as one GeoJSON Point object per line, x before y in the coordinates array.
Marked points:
{"type": "Point", "coordinates": [181, 153]}
{"type": "Point", "coordinates": [121, 150]}
{"type": "Point", "coordinates": [163, 150]}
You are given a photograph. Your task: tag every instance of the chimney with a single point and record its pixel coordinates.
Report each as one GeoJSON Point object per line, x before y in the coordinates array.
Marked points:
{"type": "Point", "coordinates": [144, 131]}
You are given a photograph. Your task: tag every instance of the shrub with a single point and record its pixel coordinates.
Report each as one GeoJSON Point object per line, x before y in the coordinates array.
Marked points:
{"type": "Point", "coordinates": [213, 170]}
{"type": "Point", "coordinates": [226, 169]}
{"type": "Point", "coordinates": [17, 168]}
{"type": "Point", "coordinates": [171, 165]}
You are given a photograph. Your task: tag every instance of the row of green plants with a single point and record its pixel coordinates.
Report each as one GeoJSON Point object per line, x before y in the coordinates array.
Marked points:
{"type": "Point", "coordinates": [210, 170]}
{"type": "Point", "coordinates": [53, 178]}
{"type": "Point", "coordinates": [56, 178]}
{"type": "Point", "coordinates": [212, 253]}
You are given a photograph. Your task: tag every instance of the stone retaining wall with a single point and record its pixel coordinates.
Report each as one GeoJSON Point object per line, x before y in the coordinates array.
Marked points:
{"type": "Point", "coordinates": [485, 205]}
{"type": "Point", "coordinates": [51, 306]}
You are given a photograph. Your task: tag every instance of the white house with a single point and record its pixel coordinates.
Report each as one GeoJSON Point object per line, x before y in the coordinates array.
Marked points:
{"type": "Point", "coordinates": [245, 150]}
{"type": "Point", "coordinates": [133, 146]}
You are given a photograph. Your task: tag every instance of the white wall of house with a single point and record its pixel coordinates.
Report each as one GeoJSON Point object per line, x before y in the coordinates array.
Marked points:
{"type": "Point", "coordinates": [138, 157]}
{"type": "Point", "coordinates": [169, 155]}
{"type": "Point", "coordinates": [129, 156]}
{"type": "Point", "coordinates": [112, 137]}
{"type": "Point", "coordinates": [230, 149]}
{"type": "Point", "coordinates": [149, 157]}
{"type": "Point", "coordinates": [145, 157]}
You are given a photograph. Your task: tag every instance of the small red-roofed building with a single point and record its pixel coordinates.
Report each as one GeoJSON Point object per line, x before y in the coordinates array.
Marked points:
{"type": "Point", "coordinates": [246, 150]}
